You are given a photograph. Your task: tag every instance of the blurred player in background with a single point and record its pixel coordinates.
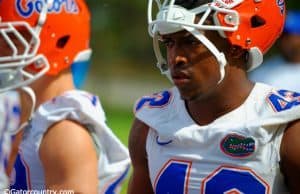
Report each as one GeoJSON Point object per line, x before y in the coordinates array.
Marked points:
{"type": "Point", "coordinates": [14, 55]}
{"type": "Point", "coordinates": [283, 70]}
{"type": "Point", "coordinates": [215, 131]}
{"type": "Point", "coordinates": [66, 144]}
{"type": "Point", "coordinates": [9, 121]}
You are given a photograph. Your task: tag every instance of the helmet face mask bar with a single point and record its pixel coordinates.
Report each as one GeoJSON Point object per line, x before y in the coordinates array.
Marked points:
{"type": "Point", "coordinates": [19, 44]}
{"type": "Point", "coordinates": [236, 20]}
{"type": "Point", "coordinates": [171, 17]}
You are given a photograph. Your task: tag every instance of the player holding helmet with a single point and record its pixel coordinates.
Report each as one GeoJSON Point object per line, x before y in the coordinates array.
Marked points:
{"type": "Point", "coordinates": [66, 144]}
{"type": "Point", "coordinates": [215, 131]}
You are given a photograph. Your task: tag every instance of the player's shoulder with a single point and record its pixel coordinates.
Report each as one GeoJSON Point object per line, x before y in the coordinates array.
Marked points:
{"type": "Point", "coordinates": [159, 108]}
{"type": "Point", "coordinates": [77, 96]}
{"type": "Point", "coordinates": [77, 102]}
{"type": "Point", "coordinates": [75, 105]}
{"type": "Point", "coordinates": [275, 106]}
{"type": "Point", "coordinates": [280, 99]}
{"type": "Point", "coordinates": [76, 99]}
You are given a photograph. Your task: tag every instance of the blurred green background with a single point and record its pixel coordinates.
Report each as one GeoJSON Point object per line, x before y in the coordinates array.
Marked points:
{"type": "Point", "coordinates": [123, 63]}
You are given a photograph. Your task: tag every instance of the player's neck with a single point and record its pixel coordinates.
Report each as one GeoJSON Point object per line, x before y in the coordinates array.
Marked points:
{"type": "Point", "coordinates": [49, 87]}
{"type": "Point", "coordinates": [228, 95]}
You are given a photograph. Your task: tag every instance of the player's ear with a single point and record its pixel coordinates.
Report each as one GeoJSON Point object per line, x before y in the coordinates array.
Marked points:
{"type": "Point", "coordinates": [236, 52]}
{"type": "Point", "coordinates": [237, 56]}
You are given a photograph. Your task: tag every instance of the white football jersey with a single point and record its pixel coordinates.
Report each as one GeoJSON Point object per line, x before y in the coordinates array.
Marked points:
{"type": "Point", "coordinates": [86, 109]}
{"type": "Point", "coordinates": [9, 122]}
{"type": "Point", "coordinates": [237, 153]}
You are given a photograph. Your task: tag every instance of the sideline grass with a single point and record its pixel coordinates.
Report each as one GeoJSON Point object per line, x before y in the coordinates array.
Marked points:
{"type": "Point", "coordinates": [120, 120]}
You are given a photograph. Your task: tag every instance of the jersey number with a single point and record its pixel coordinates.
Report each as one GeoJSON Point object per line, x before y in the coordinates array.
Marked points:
{"type": "Point", "coordinates": [158, 100]}
{"type": "Point", "coordinates": [284, 100]}
{"type": "Point", "coordinates": [174, 179]}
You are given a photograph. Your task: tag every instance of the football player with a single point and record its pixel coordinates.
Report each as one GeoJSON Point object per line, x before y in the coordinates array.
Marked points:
{"type": "Point", "coordinates": [66, 143]}
{"type": "Point", "coordinates": [9, 122]}
{"type": "Point", "coordinates": [215, 131]}
{"type": "Point", "coordinates": [14, 56]}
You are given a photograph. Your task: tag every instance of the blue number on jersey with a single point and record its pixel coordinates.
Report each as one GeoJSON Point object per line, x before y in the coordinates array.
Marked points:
{"type": "Point", "coordinates": [21, 178]}
{"type": "Point", "coordinates": [156, 101]}
{"type": "Point", "coordinates": [175, 176]}
{"type": "Point", "coordinates": [235, 180]}
{"type": "Point", "coordinates": [284, 100]}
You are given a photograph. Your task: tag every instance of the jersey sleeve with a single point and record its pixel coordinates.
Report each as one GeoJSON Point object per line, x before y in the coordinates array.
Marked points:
{"type": "Point", "coordinates": [75, 105]}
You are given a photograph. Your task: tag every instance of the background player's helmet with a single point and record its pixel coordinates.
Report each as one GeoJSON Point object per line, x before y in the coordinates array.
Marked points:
{"type": "Point", "coordinates": [42, 37]}
{"type": "Point", "coordinates": [292, 24]}
{"type": "Point", "coordinates": [253, 25]}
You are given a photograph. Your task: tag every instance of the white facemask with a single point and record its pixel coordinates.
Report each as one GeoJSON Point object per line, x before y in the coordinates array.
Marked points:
{"type": "Point", "coordinates": [172, 18]}
{"type": "Point", "coordinates": [13, 72]}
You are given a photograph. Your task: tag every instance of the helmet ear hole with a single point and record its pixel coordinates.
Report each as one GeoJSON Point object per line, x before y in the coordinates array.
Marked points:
{"type": "Point", "coordinates": [62, 41]}
{"type": "Point", "coordinates": [257, 21]}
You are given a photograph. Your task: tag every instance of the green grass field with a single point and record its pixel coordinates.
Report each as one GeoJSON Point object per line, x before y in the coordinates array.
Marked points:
{"type": "Point", "coordinates": [120, 121]}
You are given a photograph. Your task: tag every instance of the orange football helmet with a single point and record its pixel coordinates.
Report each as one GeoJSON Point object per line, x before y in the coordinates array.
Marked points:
{"type": "Point", "coordinates": [53, 35]}
{"type": "Point", "coordinates": [251, 24]}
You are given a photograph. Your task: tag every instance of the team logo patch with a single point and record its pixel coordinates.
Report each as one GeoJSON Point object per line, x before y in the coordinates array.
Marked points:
{"type": "Point", "coordinates": [283, 100]}
{"type": "Point", "coordinates": [237, 146]}
{"type": "Point", "coordinates": [281, 5]}
{"type": "Point", "coordinates": [26, 8]}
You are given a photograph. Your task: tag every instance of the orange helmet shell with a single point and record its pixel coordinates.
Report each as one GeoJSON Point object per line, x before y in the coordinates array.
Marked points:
{"type": "Point", "coordinates": [65, 33]}
{"type": "Point", "coordinates": [258, 19]}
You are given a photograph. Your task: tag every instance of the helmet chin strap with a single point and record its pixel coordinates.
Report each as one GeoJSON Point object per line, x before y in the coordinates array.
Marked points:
{"type": "Point", "coordinates": [221, 59]}
{"type": "Point", "coordinates": [32, 96]}
{"type": "Point", "coordinates": [163, 65]}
